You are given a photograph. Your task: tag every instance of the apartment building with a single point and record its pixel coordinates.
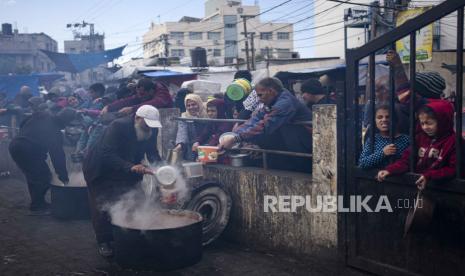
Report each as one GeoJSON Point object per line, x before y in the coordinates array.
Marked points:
{"type": "Point", "coordinates": [20, 52]}
{"type": "Point", "coordinates": [221, 33]}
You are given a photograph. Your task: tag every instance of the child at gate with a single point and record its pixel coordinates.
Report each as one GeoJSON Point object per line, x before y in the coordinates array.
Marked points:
{"type": "Point", "coordinates": [436, 154]}
{"type": "Point", "coordinates": [383, 149]}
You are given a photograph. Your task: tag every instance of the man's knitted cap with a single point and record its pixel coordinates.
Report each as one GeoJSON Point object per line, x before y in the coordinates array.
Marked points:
{"type": "Point", "coordinates": [429, 84]}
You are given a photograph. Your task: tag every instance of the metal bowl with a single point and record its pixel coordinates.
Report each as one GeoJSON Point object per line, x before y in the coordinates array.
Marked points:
{"type": "Point", "coordinates": [239, 160]}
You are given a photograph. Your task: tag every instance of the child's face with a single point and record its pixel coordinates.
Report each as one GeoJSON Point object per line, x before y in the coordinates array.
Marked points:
{"type": "Point", "coordinates": [73, 101]}
{"type": "Point", "coordinates": [235, 113]}
{"type": "Point", "coordinates": [382, 120]}
{"type": "Point", "coordinates": [212, 112]}
{"type": "Point", "coordinates": [428, 124]}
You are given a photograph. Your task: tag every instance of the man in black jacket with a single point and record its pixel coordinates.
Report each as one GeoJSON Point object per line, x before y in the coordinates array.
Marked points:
{"type": "Point", "coordinates": [113, 166]}
{"type": "Point", "coordinates": [38, 135]}
{"type": "Point", "coordinates": [314, 93]}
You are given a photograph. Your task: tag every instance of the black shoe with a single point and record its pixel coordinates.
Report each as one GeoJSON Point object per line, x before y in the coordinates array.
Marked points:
{"type": "Point", "coordinates": [40, 212]}
{"type": "Point", "coordinates": [105, 249]}
{"type": "Point", "coordinates": [42, 209]}
{"type": "Point", "coordinates": [39, 206]}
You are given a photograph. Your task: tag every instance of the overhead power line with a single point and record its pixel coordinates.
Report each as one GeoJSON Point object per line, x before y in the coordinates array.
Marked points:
{"type": "Point", "coordinates": [365, 5]}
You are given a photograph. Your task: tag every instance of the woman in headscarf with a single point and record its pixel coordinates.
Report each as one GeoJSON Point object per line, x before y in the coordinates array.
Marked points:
{"type": "Point", "coordinates": [188, 132]}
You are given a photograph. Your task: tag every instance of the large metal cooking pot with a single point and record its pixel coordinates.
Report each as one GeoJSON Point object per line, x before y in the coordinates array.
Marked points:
{"type": "Point", "coordinates": [69, 202]}
{"type": "Point", "coordinates": [163, 248]}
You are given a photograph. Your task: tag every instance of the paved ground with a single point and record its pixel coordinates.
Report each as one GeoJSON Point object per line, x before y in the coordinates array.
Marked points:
{"type": "Point", "coordinates": [31, 245]}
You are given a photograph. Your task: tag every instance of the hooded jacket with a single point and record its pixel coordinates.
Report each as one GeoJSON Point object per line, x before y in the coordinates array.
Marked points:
{"type": "Point", "coordinates": [210, 135]}
{"type": "Point", "coordinates": [436, 156]}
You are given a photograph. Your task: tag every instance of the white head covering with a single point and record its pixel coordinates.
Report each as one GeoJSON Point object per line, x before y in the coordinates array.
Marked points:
{"type": "Point", "coordinates": [198, 100]}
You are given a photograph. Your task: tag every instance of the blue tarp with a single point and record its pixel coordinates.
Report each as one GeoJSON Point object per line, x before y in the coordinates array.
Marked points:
{"type": "Point", "coordinates": [302, 74]}
{"type": "Point", "coordinates": [166, 73]}
{"type": "Point", "coordinates": [10, 84]}
{"type": "Point", "coordinates": [75, 63]}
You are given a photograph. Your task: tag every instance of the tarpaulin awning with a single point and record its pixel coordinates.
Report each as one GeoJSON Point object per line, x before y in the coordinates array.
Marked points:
{"type": "Point", "coordinates": [11, 84]}
{"type": "Point", "coordinates": [381, 69]}
{"type": "Point", "coordinates": [166, 73]}
{"type": "Point", "coordinates": [75, 63]}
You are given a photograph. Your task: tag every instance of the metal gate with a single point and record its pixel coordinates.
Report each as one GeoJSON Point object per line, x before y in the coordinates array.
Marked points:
{"type": "Point", "coordinates": [375, 242]}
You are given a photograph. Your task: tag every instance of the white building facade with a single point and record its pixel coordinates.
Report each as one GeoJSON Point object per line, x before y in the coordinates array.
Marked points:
{"type": "Point", "coordinates": [221, 33]}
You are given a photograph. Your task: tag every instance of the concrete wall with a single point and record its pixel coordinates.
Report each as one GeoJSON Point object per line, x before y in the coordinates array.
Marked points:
{"type": "Point", "coordinates": [301, 233]}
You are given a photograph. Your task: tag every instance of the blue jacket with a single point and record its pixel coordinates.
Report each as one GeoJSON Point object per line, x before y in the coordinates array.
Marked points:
{"type": "Point", "coordinates": [285, 109]}
{"type": "Point", "coordinates": [375, 158]}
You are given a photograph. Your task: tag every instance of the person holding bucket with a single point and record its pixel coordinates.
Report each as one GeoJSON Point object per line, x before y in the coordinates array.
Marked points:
{"type": "Point", "coordinates": [272, 127]}
{"type": "Point", "coordinates": [237, 93]}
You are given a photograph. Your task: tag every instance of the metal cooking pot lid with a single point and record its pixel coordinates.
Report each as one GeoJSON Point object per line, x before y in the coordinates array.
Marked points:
{"type": "Point", "coordinates": [166, 175]}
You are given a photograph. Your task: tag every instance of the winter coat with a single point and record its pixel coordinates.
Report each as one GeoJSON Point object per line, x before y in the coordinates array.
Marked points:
{"type": "Point", "coordinates": [436, 156]}
{"type": "Point", "coordinates": [44, 131]}
{"type": "Point", "coordinates": [160, 99]}
{"type": "Point", "coordinates": [286, 109]}
{"type": "Point", "coordinates": [117, 151]}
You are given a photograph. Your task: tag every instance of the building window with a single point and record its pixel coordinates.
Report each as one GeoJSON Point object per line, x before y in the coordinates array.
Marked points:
{"type": "Point", "coordinates": [214, 35]}
{"type": "Point", "coordinates": [229, 60]}
{"type": "Point", "coordinates": [283, 36]}
{"type": "Point", "coordinates": [230, 42]}
{"type": "Point", "coordinates": [229, 25]}
{"type": "Point", "coordinates": [177, 35]}
{"type": "Point", "coordinates": [264, 52]}
{"type": "Point", "coordinates": [216, 52]}
{"type": "Point", "coordinates": [281, 50]}
{"type": "Point", "coordinates": [177, 52]}
{"type": "Point", "coordinates": [266, 36]}
{"type": "Point", "coordinates": [195, 35]}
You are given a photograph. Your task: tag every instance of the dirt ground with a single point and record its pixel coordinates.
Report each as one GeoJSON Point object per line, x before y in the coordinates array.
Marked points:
{"type": "Point", "coordinates": [42, 245]}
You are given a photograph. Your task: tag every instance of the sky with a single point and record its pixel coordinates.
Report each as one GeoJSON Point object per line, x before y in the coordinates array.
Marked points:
{"type": "Point", "coordinates": [125, 21]}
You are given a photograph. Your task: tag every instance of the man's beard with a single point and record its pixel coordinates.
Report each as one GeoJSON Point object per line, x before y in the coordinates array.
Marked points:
{"type": "Point", "coordinates": [141, 133]}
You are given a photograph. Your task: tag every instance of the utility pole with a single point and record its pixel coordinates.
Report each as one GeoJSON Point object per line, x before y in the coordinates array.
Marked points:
{"type": "Point", "coordinates": [268, 61]}
{"type": "Point", "coordinates": [374, 11]}
{"type": "Point", "coordinates": [77, 34]}
{"type": "Point", "coordinates": [244, 19]}
{"type": "Point", "coordinates": [166, 44]}
{"type": "Point", "coordinates": [253, 50]}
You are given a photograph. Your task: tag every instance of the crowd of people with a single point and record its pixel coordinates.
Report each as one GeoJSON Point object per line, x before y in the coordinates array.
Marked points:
{"type": "Point", "coordinates": [434, 135]}
{"type": "Point", "coordinates": [120, 129]}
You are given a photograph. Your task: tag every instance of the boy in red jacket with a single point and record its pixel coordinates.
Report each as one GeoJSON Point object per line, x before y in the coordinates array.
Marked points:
{"type": "Point", "coordinates": [436, 145]}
